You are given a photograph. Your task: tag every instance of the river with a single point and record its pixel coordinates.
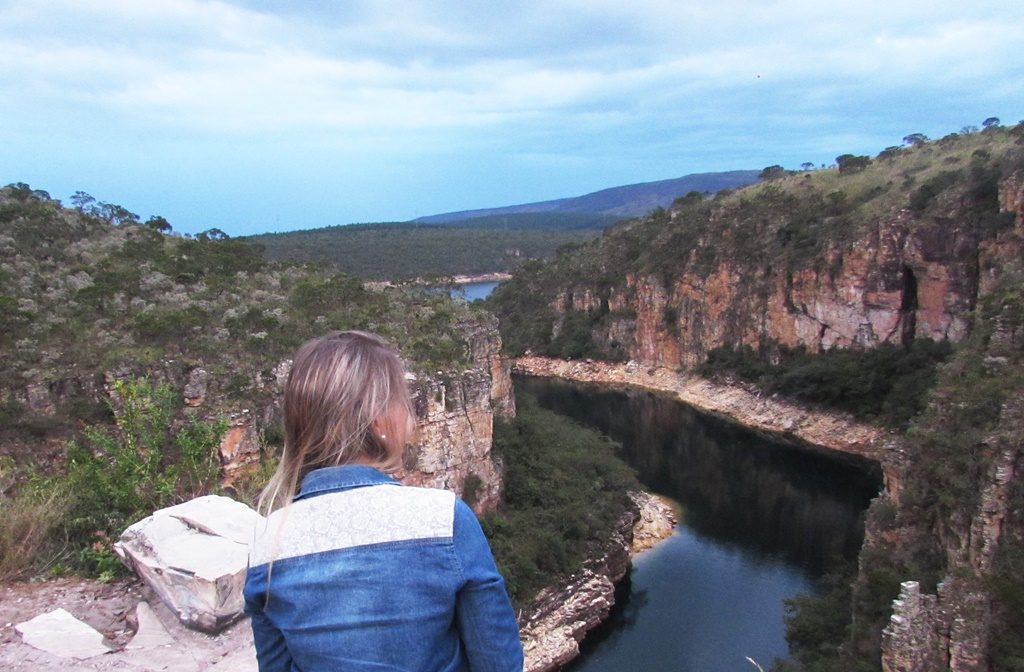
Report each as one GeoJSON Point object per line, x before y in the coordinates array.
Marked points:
{"type": "Point", "coordinates": [760, 521]}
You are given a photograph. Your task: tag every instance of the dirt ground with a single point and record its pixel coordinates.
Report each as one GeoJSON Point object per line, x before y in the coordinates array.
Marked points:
{"type": "Point", "coordinates": [110, 608]}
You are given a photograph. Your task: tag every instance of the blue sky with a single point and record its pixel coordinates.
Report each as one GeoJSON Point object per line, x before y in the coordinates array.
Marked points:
{"type": "Point", "coordinates": [257, 116]}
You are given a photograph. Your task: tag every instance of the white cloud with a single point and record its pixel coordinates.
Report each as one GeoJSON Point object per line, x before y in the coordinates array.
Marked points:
{"type": "Point", "coordinates": [563, 84]}
{"type": "Point", "coordinates": [219, 67]}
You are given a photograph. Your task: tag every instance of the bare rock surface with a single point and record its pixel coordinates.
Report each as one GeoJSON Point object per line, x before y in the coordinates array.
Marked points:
{"type": "Point", "coordinates": [656, 523]}
{"type": "Point", "coordinates": [194, 555]}
{"type": "Point", "coordinates": [143, 634]}
{"type": "Point", "coordinates": [59, 633]}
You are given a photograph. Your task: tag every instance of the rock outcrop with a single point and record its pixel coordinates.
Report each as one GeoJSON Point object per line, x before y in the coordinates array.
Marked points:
{"type": "Point", "coordinates": [559, 617]}
{"type": "Point", "coordinates": [194, 556]}
{"type": "Point", "coordinates": [453, 448]}
{"type": "Point", "coordinates": [946, 631]}
{"type": "Point", "coordinates": [656, 522]}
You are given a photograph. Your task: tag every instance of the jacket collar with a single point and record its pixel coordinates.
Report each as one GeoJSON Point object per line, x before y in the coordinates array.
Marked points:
{"type": "Point", "coordinates": [343, 477]}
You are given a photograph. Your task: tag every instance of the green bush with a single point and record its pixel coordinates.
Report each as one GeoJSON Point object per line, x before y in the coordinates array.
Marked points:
{"type": "Point", "coordinates": [922, 197]}
{"type": "Point", "coordinates": [564, 492]}
{"type": "Point", "coordinates": [888, 383]}
{"type": "Point", "coordinates": [117, 477]}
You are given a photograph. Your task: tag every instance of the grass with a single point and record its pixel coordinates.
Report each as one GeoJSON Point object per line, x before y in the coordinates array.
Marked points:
{"type": "Point", "coordinates": [29, 512]}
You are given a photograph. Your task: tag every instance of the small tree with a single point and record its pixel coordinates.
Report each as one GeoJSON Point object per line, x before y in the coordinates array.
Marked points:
{"type": "Point", "coordinates": [82, 201]}
{"type": "Point", "coordinates": [915, 139]}
{"type": "Point", "coordinates": [806, 165]}
{"type": "Point", "coordinates": [158, 223]}
{"type": "Point", "coordinates": [848, 163]}
{"type": "Point", "coordinates": [889, 153]}
{"type": "Point", "coordinates": [211, 234]}
{"type": "Point", "coordinates": [114, 214]}
{"type": "Point", "coordinates": [774, 172]}
{"type": "Point", "coordinates": [991, 122]}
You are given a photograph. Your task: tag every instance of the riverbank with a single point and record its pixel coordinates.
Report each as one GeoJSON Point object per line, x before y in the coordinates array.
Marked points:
{"type": "Point", "coordinates": [775, 417]}
{"type": "Point", "coordinates": [560, 616]}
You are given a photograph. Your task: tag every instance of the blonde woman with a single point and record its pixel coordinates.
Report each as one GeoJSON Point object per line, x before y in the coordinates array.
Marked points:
{"type": "Point", "coordinates": [355, 571]}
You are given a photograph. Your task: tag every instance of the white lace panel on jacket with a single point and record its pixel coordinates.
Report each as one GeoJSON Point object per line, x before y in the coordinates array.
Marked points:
{"type": "Point", "coordinates": [355, 517]}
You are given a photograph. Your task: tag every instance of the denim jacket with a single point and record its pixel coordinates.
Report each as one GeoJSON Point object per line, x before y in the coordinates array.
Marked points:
{"type": "Point", "coordinates": [367, 574]}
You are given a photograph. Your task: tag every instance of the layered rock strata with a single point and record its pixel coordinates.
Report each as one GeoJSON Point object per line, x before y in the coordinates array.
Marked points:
{"type": "Point", "coordinates": [945, 631]}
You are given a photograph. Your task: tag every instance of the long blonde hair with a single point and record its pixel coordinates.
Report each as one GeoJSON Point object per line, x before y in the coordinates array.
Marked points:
{"type": "Point", "coordinates": [346, 400]}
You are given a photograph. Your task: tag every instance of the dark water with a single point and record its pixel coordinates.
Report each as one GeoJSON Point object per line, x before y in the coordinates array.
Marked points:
{"type": "Point", "coordinates": [760, 521]}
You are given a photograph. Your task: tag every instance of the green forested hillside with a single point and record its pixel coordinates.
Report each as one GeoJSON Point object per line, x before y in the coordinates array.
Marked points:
{"type": "Point", "coordinates": [400, 250]}
{"type": "Point", "coordinates": [81, 296]}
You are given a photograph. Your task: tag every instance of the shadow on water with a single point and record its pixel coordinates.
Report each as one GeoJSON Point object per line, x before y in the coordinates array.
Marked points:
{"type": "Point", "coordinates": [760, 520]}
{"type": "Point", "coordinates": [733, 485]}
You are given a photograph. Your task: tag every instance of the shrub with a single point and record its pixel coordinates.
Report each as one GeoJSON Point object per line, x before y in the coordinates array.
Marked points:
{"type": "Point", "coordinates": [887, 383]}
{"type": "Point", "coordinates": [118, 477]}
{"type": "Point", "coordinates": [922, 197]}
{"type": "Point", "coordinates": [564, 491]}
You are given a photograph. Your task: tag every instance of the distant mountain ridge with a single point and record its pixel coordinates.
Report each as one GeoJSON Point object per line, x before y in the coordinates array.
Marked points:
{"type": "Point", "coordinates": [629, 200]}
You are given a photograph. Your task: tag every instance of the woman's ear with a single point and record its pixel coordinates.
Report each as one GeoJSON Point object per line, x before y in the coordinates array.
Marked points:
{"type": "Point", "coordinates": [379, 427]}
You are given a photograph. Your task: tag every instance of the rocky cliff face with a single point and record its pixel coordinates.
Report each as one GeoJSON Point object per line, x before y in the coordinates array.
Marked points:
{"type": "Point", "coordinates": [903, 279]}
{"type": "Point", "coordinates": [957, 627]}
{"type": "Point", "coordinates": [455, 415]}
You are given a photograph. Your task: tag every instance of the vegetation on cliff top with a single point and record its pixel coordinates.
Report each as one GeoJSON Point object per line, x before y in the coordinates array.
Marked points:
{"type": "Point", "coordinates": [82, 296]}
{"type": "Point", "coordinates": [780, 225]}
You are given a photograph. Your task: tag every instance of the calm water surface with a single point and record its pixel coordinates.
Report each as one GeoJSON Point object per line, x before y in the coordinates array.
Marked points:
{"type": "Point", "coordinates": [760, 521]}
{"type": "Point", "coordinates": [471, 291]}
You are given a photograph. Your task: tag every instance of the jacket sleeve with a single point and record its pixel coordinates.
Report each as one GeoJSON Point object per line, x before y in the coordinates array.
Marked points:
{"type": "Point", "coordinates": [487, 624]}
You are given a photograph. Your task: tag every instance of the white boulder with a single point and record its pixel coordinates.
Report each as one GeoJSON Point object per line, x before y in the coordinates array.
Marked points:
{"type": "Point", "coordinates": [194, 556]}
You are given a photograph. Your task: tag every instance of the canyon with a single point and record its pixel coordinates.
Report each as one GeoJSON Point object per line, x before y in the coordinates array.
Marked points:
{"type": "Point", "coordinates": [647, 303]}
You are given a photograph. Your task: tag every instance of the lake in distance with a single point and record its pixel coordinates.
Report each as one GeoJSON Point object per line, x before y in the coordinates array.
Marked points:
{"type": "Point", "coordinates": [471, 291]}
{"type": "Point", "coordinates": [760, 521]}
